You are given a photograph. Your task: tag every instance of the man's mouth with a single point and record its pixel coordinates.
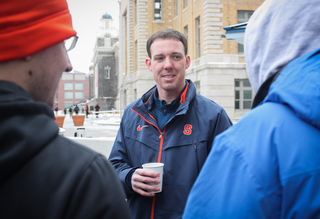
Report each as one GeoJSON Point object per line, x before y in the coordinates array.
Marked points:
{"type": "Point", "coordinates": [168, 76]}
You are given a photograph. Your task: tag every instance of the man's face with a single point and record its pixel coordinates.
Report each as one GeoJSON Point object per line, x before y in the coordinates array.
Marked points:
{"type": "Point", "coordinates": [48, 66]}
{"type": "Point", "coordinates": [168, 64]}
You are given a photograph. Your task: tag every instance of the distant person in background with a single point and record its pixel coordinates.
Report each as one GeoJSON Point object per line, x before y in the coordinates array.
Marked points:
{"type": "Point", "coordinates": [268, 164]}
{"type": "Point", "coordinates": [65, 111]}
{"type": "Point", "coordinates": [56, 110]}
{"type": "Point", "coordinates": [76, 110]}
{"type": "Point", "coordinates": [43, 174]}
{"type": "Point", "coordinates": [70, 111]}
{"type": "Point", "coordinates": [87, 110]}
{"type": "Point", "coordinates": [97, 108]}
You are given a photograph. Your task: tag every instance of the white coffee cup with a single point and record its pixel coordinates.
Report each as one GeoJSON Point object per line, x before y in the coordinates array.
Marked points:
{"type": "Point", "coordinates": [157, 168]}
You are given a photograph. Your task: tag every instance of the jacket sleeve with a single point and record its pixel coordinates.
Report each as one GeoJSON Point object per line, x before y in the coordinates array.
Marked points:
{"type": "Point", "coordinates": [222, 123]}
{"type": "Point", "coordinates": [98, 193]}
{"type": "Point", "coordinates": [120, 161]}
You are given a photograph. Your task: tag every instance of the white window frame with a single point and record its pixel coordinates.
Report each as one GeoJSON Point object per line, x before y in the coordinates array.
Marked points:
{"type": "Point", "coordinates": [241, 89]}
{"type": "Point", "coordinates": [66, 95]}
{"type": "Point", "coordinates": [185, 4]}
{"type": "Point", "coordinates": [247, 15]}
{"type": "Point", "coordinates": [186, 31]}
{"type": "Point", "coordinates": [76, 86]}
{"type": "Point", "coordinates": [66, 86]}
{"type": "Point", "coordinates": [198, 37]}
{"type": "Point", "coordinates": [108, 70]}
{"type": "Point", "coordinates": [157, 6]}
{"type": "Point", "coordinates": [77, 94]}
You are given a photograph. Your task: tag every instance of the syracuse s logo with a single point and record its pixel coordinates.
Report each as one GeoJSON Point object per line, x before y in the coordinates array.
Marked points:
{"type": "Point", "coordinates": [140, 128]}
{"type": "Point", "coordinates": [187, 129]}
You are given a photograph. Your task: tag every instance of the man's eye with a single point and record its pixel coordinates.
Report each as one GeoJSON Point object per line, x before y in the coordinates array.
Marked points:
{"type": "Point", "coordinates": [159, 58]}
{"type": "Point", "coordinates": [176, 57]}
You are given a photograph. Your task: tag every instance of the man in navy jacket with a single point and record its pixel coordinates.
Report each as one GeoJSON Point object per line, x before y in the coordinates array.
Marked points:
{"type": "Point", "coordinates": [171, 124]}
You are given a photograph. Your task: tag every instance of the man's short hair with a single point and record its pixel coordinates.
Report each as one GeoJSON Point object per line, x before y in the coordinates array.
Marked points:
{"type": "Point", "coordinates": [167, 34]}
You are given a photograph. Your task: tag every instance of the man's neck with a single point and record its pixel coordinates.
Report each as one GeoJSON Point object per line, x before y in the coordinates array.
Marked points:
{"type": "Point", "coordinates": [168, 96]}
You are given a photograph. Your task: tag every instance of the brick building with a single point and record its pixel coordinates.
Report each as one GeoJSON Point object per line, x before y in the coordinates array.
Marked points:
{"type": "Point", "coordinates": [73, 88]}
{"type": "Point", "coordinates": [218, 65]}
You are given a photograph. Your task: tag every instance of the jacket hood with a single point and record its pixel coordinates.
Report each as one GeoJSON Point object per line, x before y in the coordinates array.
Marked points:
{"type": "Point", "coordinates": [26, 128]}
{"type": "Point", "coordinates": [300, 92]}
{"type": "Point", "coordinates": [278, 32]}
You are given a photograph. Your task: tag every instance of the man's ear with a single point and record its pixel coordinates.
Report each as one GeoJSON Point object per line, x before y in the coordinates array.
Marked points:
{"type": "Point", "coordinates": [148, 64]}
{"type": "Point", "coordinates": [188, 61]}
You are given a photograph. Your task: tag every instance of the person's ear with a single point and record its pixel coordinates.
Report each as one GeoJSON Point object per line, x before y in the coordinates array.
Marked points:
{"type": "Point", "coordinates": [187, 61]}
{"type": "Point", "coordinates": [148, 64]}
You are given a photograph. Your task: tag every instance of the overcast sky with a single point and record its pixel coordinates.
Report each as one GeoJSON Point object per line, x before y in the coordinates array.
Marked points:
{"type": "Point", "coordinates": [86, 16]}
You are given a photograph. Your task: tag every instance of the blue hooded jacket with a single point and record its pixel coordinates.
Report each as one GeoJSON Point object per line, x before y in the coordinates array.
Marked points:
{"type": "Point", "coordinates": [182, 146]}
{"type": "Point", "coordinates": [268, 164]}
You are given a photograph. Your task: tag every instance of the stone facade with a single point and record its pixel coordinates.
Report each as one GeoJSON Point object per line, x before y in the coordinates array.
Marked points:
{"type": "Point", "coordinates": [104, 74]}
{"type": "Point", "coordinates": [216, 63]}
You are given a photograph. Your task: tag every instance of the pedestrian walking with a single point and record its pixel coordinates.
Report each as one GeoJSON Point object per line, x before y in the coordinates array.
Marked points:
{"type": "Point", "coordinates": [76, 109]}
{"type": "Point", "coordinates": [97, 108]}
{"type": "Point", "coordinates": [87, 110]}
{"type": "Point", "coordinates": [56, 110]}
{"type": "Point", "coordinates": [70, 111]}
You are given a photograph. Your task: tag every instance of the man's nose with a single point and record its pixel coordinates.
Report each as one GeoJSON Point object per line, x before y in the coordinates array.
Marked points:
{"type": "Point", "coordinates": [167, 64]}
{"type": "Point", "coordinates": [69, 65]}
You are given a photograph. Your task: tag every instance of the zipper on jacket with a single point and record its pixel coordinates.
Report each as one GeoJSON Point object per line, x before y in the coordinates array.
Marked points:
{"type": "Point", "coordinates": [195, 150]}
{"type": "Point", "coordinates": [159, 155]}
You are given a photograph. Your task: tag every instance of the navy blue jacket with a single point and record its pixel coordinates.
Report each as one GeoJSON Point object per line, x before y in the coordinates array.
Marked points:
{"type": "Point", "coordinates": [268, 164]}
{"type": "Point", "coordinates": [44, 175]}
{"type": "Point", "coordinates": [183, 147]}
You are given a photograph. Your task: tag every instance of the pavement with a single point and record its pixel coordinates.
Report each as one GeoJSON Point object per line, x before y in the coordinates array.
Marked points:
{"type": "Point", "coordinates": [93, 127]}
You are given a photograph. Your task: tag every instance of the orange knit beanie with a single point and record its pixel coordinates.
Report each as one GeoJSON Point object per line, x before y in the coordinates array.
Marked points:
{"type": "Point", "coordinates": [30, 26]}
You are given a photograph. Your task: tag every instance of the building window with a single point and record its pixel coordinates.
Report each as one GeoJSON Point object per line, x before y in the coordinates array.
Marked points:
{"type": "Point", "coordinates": [68, 86]}
{"type": "Point", "coordinates": [157, 9]}
{"type": "Point", "coordinates": [136, 13]}
{"type": "Point", "coordinates": [78, 86]}
{"type": "Point", "coordinates": [81, 77]}
{"type": "Point", "coordinates": [66, 77]}
{"type": "Point", "coordinates": [68, 104]}
{"type": "Point", "coordinates": [176, 8]}
{"type": "Point", "coordinates": [78, 95]}
{"type": "Point", "coordinates": [135, 94]}
{"type": "Point", "coordinates": [243, 95]}
{"type": "Point", "coordinates": [198, 43]}
{"type": "Point", "coordinates": [107, 69]}
{"type": "Point", "coordinates": [185, 3]}
{"type": "Point", "coordinates": [68, 95]}
{"type": "Point", "coordinates": [197, 84]}
{"type": "Point", "coordinates": [56, 95]}
{"type": "Point", "coordinates": [243, 16]}
{"type": "Point", "coordinates": [186, 31]}
{"type": "Point", "coordinates": [136, 55]}
{"type": "Point", "coordinates": [125, 97]}
{"type": "Point", "coordinates": [100, 42]}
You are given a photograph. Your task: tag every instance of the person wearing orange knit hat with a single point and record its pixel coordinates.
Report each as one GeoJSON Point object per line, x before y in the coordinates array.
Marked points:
{"type": "Point", "coordinates": [43, 174]}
